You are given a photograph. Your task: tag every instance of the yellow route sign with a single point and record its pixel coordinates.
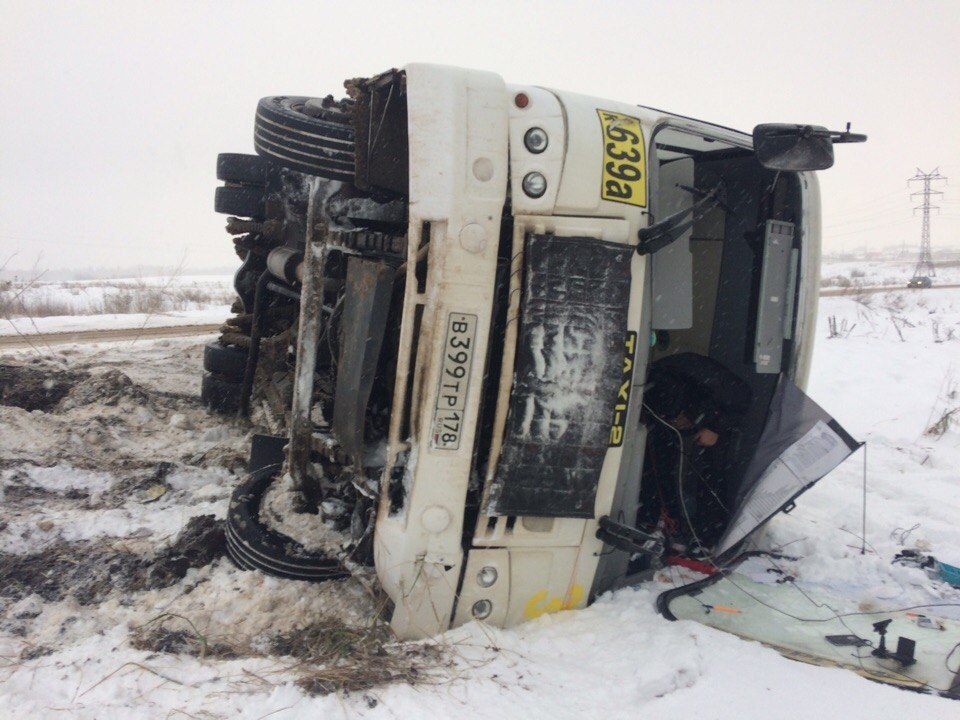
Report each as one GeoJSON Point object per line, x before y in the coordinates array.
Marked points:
{"type": "Point", "coordinates": [624, 177]}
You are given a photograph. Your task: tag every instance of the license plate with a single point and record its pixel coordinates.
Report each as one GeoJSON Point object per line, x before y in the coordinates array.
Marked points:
{"type": "Point", "coordinates": [624, 159]}
{"type": "Point", "coordinates": [450, 412]}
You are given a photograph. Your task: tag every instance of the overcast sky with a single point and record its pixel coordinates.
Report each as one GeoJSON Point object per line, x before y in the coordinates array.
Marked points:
{"type": "Point", "coordinates": [112, 113]}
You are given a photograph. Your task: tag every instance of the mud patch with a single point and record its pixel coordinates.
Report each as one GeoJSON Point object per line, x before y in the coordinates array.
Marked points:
{"type": "Point", "coordinates": [107, 388]}
{"type": "Point", "coordinates": [139, 485]}
{"type": "Point", "coordinates": [34, 387]}
{"type": "Point", "coordinates": [87, 571]}
{"type": "Point", "coordinates": [202, 541]}
{"type": "Point", "coordinates": [164, 636]}
{"type": "Point", "coordinates": [18, 494]}
{"type": "Point", "coordinates": [90, 571]}
{"type": "Point", "coordinates": [35, 652]}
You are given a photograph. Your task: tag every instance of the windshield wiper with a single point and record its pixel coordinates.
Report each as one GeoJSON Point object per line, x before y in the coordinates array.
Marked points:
{"type": "Point", "coordinates": [659, 235]}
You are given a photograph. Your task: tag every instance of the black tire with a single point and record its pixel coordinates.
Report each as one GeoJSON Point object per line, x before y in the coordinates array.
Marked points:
{"type": "Point", "coordinates": [297, 133]}
{"type": "Point", "coordinates": [220, 394]}
{"type": "Point", "coordinates": [227, 361]}
{"type": "Point", "coordinates": [241, 201]}
{"type": "Point", "coordinates": [252, 545]}
{"type": "Point", "coordinates": [245, 169]}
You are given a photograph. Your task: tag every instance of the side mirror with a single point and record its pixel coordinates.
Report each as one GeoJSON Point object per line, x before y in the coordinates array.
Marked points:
{"type": "Point", "coordinates": [793, 147]}
{"type": "Point", "coordinates": [798, 147]}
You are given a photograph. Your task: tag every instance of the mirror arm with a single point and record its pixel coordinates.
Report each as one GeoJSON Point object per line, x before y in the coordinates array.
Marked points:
{"type": "Point", "coordinates": [846, 136]}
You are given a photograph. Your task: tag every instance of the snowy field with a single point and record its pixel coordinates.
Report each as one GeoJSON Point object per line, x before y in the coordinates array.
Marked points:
{"type": "Point", "coordinates": [887, 273]}
{"type": "Point", "coordinates": [30, 307]}
{"type": "Point", "coordinates": [108, 611]}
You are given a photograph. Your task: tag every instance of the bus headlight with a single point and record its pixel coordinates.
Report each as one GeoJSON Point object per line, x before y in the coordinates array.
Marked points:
{"type": "Point", "coordinates": [535, 140]}
{"type": "Point", "coordinates": [482, 609]}
{"type": "Point", "coordinates": [534, 184]}
{"type": "Point", "coordinates": [487, 576]}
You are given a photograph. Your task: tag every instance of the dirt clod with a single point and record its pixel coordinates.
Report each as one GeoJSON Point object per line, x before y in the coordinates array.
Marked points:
{"type": "Point", "coordinates": [88, 571]}
{"type": "Point", "coordinates": [161, 639]}
{"type": "Point", "coordinates": [34, 387]}
{"type": "Point", "coordinates": [108, 388]}
{"type": "Point", "coordinates": [202, 541]}
{"type": "Point", "coordinates": [36, 651]}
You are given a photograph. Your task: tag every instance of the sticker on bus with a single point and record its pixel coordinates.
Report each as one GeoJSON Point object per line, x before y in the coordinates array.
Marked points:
{"type": "Point", "coordinates": [623, 393]}
{"type": "Point", "coordinates": [624, 176]}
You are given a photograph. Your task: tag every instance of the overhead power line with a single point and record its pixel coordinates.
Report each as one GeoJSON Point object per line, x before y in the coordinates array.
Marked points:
{"type": "Point", "coordinates": [925, 261]}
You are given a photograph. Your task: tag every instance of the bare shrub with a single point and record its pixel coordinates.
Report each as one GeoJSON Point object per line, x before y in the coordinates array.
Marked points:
{"type": "Point", "coordinates": [943, 423]}
{"type": "Point", "coordinates": [894, 302]}
{"type": "Point", "coordinates": [896, 326]}
{"type": "Point", "coordinates": [861, 297]}
{"type": "Point", "coordinates": [117, 304]}
{"type": "Point", "coordinates": [838, 329]}
{"type": "Point", "coordinates": [16, 304]}
{"type": "Point", "coordinates": [946, 409]}
{"type": "Point", "coordinates": [116, 297]}
{"type": "Point", "coordinates": [194, 296]}
{"type": "Point", "coordinates": [837, 281]}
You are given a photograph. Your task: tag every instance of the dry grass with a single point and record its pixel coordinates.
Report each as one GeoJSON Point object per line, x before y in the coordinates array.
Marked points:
{"type": "Point", "coordinates": [329, 655]}
{"type": "Point", "coordinates": [112, 298]}
{"type": "Point", "coordinates": [946, 412]}
{"type": "Point", "coordinates": [857, 281]}
{"type": "Point", "coordinates": [158, 636]}
{"type": "Point", "coordinates": [336, 657]}
{"type": "Point", "coordinates": [943, 424]}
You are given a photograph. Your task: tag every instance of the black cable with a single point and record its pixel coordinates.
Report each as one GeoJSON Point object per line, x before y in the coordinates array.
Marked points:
{"type": "Point", "coordinates": [946, 660]}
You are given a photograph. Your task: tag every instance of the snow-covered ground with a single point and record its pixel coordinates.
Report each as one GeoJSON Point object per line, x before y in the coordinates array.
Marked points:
{"type": "Point", "coordinates": [891, 272]}
{"type": "Point", "coordinates": [31, 307]}
{"type": "Point", "coordinates": [28, 327]}
{"type": "Point", "coordinates": [97, 483]}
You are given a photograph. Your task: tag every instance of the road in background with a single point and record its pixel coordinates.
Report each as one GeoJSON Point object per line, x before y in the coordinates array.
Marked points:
{"type": "Point", "coordinates": [93, 336]}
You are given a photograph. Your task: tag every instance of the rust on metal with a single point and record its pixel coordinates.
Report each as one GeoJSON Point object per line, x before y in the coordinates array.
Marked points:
{"type": "Point", "coordinates": [311, 312]}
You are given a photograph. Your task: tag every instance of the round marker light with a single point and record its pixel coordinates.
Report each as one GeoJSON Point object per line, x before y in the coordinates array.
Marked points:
{"type": "Point", "coordinates": [487, 576]}
{"type": "Point", "coordinates": [481, 609]}
{"type": "Point", "coordinates": [535, 140]}
{"type": "Point", "coordinates": [521, 100]}
{"type": "Point", "coordinates": [534, 184]}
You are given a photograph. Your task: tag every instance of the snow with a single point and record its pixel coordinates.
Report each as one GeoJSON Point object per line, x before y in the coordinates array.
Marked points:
{"type": "Point", "coordinates": [888, 272]}
{"type": "Point", "coordinates": [314, 532]}
{"type": "Point", "coordinates": [615, 659]}
{"type": "Point", "coordinates": [78, 323]}
{"type": "Point", "coordinates": [145, 302]}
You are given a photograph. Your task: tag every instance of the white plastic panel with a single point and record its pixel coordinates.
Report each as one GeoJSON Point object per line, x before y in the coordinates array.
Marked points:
{"type": "Point", "coordinates": [457, 122]}
{"type": "Point", "coordinates": [542, 111]}
{"type": "Point", "coordinates": [672, 267]}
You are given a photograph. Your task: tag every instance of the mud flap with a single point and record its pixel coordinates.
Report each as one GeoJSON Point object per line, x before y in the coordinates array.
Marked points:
{"type": "Point", "coordinates": [569, 361]}
{"type": "Point", "coordinates": [380, 132]}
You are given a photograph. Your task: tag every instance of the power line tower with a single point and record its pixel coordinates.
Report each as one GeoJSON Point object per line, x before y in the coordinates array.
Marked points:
{"type": "Point", "coordinates": [925, 265]}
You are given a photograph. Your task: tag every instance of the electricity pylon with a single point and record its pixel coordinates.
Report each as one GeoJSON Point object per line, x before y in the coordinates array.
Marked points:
{"type": "Point", "coordinates": [925, 261]}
